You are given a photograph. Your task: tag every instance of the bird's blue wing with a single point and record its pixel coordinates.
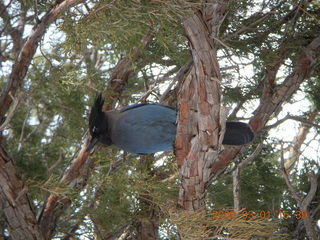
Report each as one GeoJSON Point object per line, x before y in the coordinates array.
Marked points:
{"type": "Point", "coordinates": [137, 105]}
{"type": "Point", "coordinates": [130, 107]}
{"type": "Point", "coordinates": [145, 128]}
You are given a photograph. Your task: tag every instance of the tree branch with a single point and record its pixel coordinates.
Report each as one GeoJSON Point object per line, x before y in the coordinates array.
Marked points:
{"type": "Point", "coordinates": [295, 12]}
{"type": "Point", "coordinates": [237, 174]}
{"type": "Point", "coordinates": [170, 97]}
{"type": "Point", "coordinates": [295, 148]}
{"type": "Point", "coordinates": [10, 114]}
{"type": "Point", "coordinates": [271, 102]}
{"type": "Point", "coordinates": [14, 32]}
{"type": "Point", "coordinates": [26, 54]}
{"type": "Point", "coordinates": [122, 71]}
{"type": "Point", "coordinates": [305, 121]}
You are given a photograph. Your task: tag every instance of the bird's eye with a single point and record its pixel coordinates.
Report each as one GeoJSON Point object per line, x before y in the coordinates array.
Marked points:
{"type": "Point", "coordinates": [95, 129]}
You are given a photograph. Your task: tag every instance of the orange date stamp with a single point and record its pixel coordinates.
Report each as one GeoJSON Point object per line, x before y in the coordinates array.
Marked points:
{"type": "Point", "coordinates": [262, 214]}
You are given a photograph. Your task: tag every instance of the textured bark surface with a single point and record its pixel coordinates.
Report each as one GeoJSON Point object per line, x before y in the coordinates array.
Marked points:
{"type": "Point", "coordinates": [15, 203]}
{"type": "Point", "coordinates": [197, 140]}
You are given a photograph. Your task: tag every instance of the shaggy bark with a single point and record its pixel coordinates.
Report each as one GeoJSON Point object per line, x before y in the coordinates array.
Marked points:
{"type": "Point", "coordinates": [197, 141]}
{"type": "Point", "coordinates": [15, 203]}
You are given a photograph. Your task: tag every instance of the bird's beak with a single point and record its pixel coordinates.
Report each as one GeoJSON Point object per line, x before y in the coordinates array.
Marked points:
{"type": "Point", "coordinates": [92, 143]}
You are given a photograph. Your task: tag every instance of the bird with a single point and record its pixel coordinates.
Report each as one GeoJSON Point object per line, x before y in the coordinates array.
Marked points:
{"type": "Point", "coordinates": [146, 128]}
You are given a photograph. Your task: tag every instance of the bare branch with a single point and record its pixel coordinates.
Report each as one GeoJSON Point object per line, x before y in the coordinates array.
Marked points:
{"type": "Point", "coordinates": [295, 148]}
{"type": "Point", "coordinates": [237, 174]}
{"type": "Point", "coordinates": [287, 179]}
{"type": "Point", "coordinates": [55, 164]}
{"type": "Point", "coordinates": [156, 84]}
{"type": "Point", "coordinates": [296, 118]}
{"type": "Point", "coordinates": [312, 191]}
{"type": "Point", "coordinates": [249, 159]}
{"type": "Point", "coordinates": [305, 121]}
{"type": "Point", "coordinates": [10, 114]}
{"type": "Point", "coordinates": [169, 96]}
{"type": "Point", "coordinates": [303, 203]}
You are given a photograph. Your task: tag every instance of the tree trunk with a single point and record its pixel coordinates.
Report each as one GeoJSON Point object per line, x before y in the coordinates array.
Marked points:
{"type": "Point", "coordinates": [197, 140]}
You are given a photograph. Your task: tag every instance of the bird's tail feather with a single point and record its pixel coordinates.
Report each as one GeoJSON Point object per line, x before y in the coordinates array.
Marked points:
{"type": "Point", "coordinates": [237, 133]}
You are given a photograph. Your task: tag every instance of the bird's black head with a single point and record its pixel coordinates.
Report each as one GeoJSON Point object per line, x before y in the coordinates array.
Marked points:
{"type": "Point", "coordinates": [98, 124]}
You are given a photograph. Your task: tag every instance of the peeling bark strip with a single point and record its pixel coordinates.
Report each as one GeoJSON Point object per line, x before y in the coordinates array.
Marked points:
{"type": "Point", "coordinates": [197, 140]}
{"type": "Point", "coordinates": [15, 203]}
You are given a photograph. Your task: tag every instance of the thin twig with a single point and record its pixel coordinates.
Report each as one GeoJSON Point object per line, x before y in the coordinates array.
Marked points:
{"type": "Point", "coordinates": [291, 117]}
{"type": "Point", "coordinates": [287, 179]}
{"type": "Point", "coordinates": [246, 161]}
{"type": "Point", "coordinates": [55, 164]}
{"type": "Point", "coordinates": [305, 11]}
{"type": "Point", "coordinates": [249, 159]}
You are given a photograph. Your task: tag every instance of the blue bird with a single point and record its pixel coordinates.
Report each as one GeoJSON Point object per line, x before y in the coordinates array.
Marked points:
{"type": "Point", "coordinates": [146, 128]}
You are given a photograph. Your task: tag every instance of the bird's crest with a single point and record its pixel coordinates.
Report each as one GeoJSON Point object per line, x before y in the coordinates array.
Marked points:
{"type": "Point", "coordinates": [97, 118]}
